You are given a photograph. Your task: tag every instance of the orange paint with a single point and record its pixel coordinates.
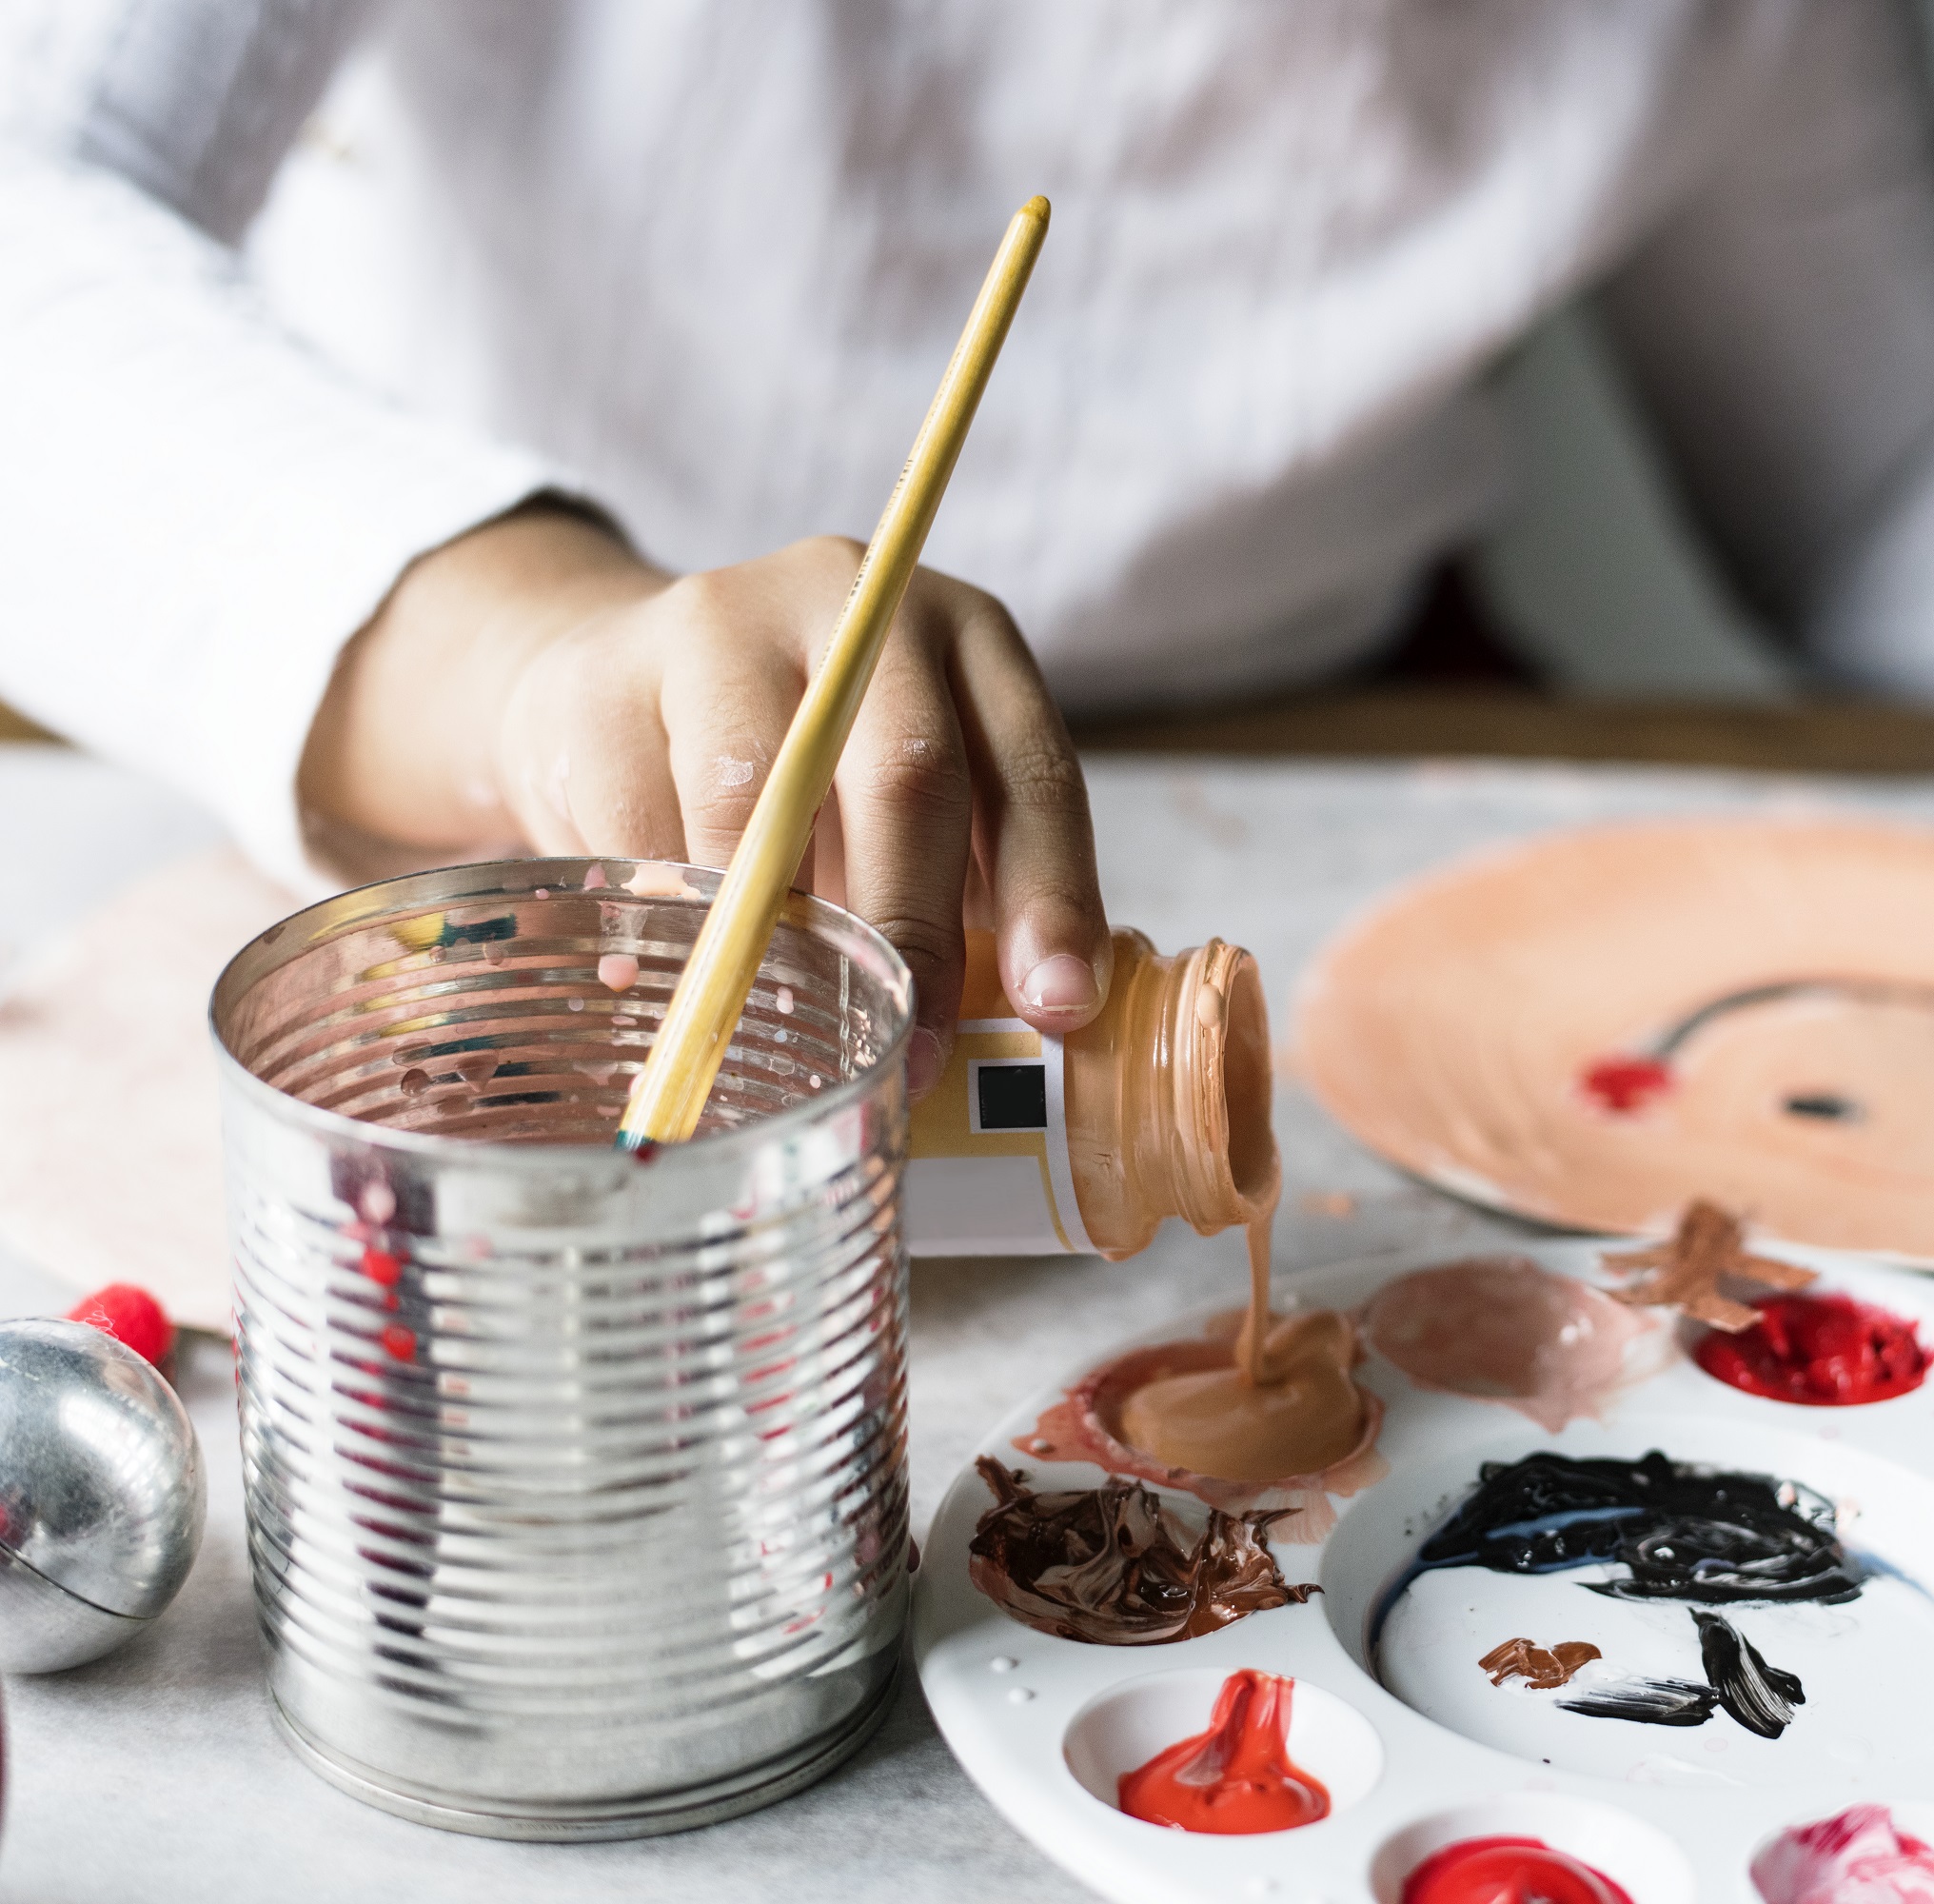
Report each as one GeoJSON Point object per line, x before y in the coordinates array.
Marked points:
{"type": "Point", "coordinates": [1235, 1779]}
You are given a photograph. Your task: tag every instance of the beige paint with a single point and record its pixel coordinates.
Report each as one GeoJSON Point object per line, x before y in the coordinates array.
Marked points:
{"type": "Point", "coordinates": [1449, 1030]}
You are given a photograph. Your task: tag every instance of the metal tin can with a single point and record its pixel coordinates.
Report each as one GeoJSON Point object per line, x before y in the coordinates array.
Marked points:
{"type": "Point", "coordinates": [576, 1481]}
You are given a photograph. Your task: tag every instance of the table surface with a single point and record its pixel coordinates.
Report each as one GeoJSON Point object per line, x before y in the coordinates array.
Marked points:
{"type": "Point", "coordinates": [156, 1774]}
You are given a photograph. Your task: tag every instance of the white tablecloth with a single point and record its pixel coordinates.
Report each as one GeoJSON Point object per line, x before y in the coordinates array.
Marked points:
{"type": "Point", "coordinates": [154, 1776]}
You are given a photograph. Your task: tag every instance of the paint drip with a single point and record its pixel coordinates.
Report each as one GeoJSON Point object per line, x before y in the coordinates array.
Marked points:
{"type": "Point", "coordinates": [1501, 1329]}
{"type": "Point", "coordinates": [1116, 1566]}
{"type": "Point", "coordinates": [1543, 1667]}
{"type": "Point", "coordinates": [1858, 1856]}
{"type": "Point", "coordinates": [1508, 1871]}
{"type": "Point", "coordinates": [1289, 1408]}
{"type": "Point", "coordinates": [1819, 1351]}
{"type": "Point", "coordinates": [1088, 1425]}
{"type": "Point", "coordinates": [1238, 1777]}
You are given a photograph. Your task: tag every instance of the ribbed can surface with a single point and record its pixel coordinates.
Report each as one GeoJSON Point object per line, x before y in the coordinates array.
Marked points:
{"type": "Point", "coordinates": [575, 1483]}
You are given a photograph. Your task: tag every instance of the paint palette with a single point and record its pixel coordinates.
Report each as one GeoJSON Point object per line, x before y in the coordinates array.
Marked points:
{"type": "Point", "coordinates": [1657, 1698]}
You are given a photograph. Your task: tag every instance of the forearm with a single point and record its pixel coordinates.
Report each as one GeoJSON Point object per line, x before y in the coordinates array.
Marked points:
{"type": "Point", "coordinates": [198, 512]}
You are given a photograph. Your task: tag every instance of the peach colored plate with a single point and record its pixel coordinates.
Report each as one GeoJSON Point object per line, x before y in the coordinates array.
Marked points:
{"type": "Point", "coordinates": [1595, 1028]}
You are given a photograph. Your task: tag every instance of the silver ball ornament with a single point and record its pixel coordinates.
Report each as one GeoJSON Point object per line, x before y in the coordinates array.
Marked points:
{"type": "Point", "coordinates": [102, 1495]}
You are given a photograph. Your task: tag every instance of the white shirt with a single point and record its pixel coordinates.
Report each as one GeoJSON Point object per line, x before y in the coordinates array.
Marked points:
{"type": "Point", "coordinates": [704, 260]}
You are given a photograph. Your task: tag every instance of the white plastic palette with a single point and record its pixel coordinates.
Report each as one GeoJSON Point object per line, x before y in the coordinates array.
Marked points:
{"type": "Point", "coordinates": [1046, 1726]}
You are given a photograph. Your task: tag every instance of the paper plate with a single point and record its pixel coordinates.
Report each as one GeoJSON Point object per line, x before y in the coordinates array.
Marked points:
{"type": "Point", "coordinates": [1597, 1027]}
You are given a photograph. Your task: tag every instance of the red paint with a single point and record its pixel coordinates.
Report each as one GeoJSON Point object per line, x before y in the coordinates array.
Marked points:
{"type": "Point", "coordinates": [131, 1316]}
{"type": "Point", "coordinates": [1508, 1871]}
{"type": "Point", "coordinates": [1819, 1351]}
{"type": "Point", "coordinates": [381, 1266]}
{"type": "Point", "coordinates": [1236, 1777]}
{"type": "Point", "coordinates": [1627, 1084]}
{"type": "Point", "coordinates": [400, 1342]}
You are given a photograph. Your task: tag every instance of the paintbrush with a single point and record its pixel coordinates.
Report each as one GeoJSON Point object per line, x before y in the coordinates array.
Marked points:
{"type": "Point", "coordinates": [671, 1090]}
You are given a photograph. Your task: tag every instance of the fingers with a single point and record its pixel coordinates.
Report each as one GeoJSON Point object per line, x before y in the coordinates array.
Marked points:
{"type": "Point", "coordinates": [583, 764]}
{"type": "Point", "coordinates": [651, 733]}
{"type": "Point", "coordinates": [906, 820]}
{"type": "Point", "coordinates": [1036, 840]}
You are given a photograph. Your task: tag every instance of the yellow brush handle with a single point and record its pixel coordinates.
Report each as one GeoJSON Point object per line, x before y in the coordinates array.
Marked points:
{"type": "Point", "coordinates": [712, 990]}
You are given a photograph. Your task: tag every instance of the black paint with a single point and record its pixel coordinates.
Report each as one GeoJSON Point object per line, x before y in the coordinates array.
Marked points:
{"type": "Point", "coordinates": [1683, 1533]}
{"type": "Point", "coordinates": [1825, 1106]}
{"type": "Point", "coordinates": [1761, 1697]}
{"type": "Point", "coordinates": [1668, 1702]}
{"type": "Point", "coordinates": [1705, 1537]}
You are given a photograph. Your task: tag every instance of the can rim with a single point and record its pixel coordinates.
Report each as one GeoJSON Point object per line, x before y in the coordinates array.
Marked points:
{"type": "Point", "coordinates": [471, 880]}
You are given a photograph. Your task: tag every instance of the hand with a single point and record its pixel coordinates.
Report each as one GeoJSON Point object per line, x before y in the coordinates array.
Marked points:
{"type": "Point", "coordinates": [535, 681]}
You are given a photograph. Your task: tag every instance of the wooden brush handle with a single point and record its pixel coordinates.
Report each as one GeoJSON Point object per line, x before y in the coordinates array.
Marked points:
{"type": "Point", "coordinates": [676, 1078]}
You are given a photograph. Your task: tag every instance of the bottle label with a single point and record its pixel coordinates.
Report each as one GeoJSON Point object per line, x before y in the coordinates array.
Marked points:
{"type": "Point", "coordinates": [990, 1173]}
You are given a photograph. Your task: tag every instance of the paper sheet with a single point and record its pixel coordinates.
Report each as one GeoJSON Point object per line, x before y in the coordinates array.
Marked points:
{"type": "Point", "coordinates": [111, 1153]}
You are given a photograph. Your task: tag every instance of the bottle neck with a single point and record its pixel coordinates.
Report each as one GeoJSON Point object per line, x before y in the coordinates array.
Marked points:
{"type": "Point", "coordinates": [1172, 1091]}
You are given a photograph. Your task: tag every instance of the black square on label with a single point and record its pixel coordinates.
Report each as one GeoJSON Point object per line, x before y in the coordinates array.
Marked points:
{"type": "Point", "coordinates": [1014, 1096]}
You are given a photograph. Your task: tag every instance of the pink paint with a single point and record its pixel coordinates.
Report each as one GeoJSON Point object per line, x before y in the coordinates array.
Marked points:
{"type": "Point", "coordinates": [1626, 1086]}
{"type": "Point", "coordinates": [1856, 1858]}
{"type": "Point", "coordinates": [595, 879]}
{"type": "Point", "coordinates": [782, 1001]}
{"type": "Point", "coordinates": [378, 1201]}
{"type": "Point", "coordinates": [651, 881]}
{"type": "Point", "coordinates": [1498, 1328]}
{"type": "Point", "coordinates": [618, 971]}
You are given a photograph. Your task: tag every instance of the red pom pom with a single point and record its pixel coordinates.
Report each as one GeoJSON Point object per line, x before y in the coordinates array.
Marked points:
{"type": "Point", "coordinates": [131, 1316]}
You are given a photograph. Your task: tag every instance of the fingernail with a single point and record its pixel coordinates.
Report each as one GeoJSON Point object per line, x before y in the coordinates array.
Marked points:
{"type": "Point", "coordinates": [1063, 982]}
{"type": "Point", "coordinates": [926, 1061]}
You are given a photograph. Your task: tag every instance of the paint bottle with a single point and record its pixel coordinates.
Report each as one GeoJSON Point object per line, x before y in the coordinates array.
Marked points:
{"type": "Point", "coordinates": [1035, 1145]}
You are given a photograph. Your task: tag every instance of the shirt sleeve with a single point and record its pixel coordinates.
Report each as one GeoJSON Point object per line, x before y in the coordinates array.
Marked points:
{"type": "Point", "coordinates": [1780, 327]}
{"type": "Point", "coordinates": [196, 511]}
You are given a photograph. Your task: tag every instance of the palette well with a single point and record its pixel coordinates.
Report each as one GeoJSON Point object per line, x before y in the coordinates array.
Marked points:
{"type": "Point", "coordinates": [1757, 1595]}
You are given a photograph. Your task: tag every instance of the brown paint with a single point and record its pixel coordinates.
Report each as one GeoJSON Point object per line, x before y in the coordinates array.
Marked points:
{"type": "Point", "coordinates": [1087, 1425]}
{"type": "Point", "coordinates": [1114, 1566]}
{"type": "Point", "coordinates": [1450, 1030]}
{"type": "Point", "coordinates": [1687, 1272]}
{"type": "Point", "coordinates": [1543, 1667]}
{"type": "Point", "coordinates": [1501, 1329]}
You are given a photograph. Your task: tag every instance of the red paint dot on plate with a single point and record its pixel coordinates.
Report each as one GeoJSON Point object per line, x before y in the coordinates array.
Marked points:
{"type": "Point", "coordinates": [131, 1316]}
{"type": "Point", "coordinates": [400, 1342]}
{"type": "Point", "coordinates": [1626, 1084]}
